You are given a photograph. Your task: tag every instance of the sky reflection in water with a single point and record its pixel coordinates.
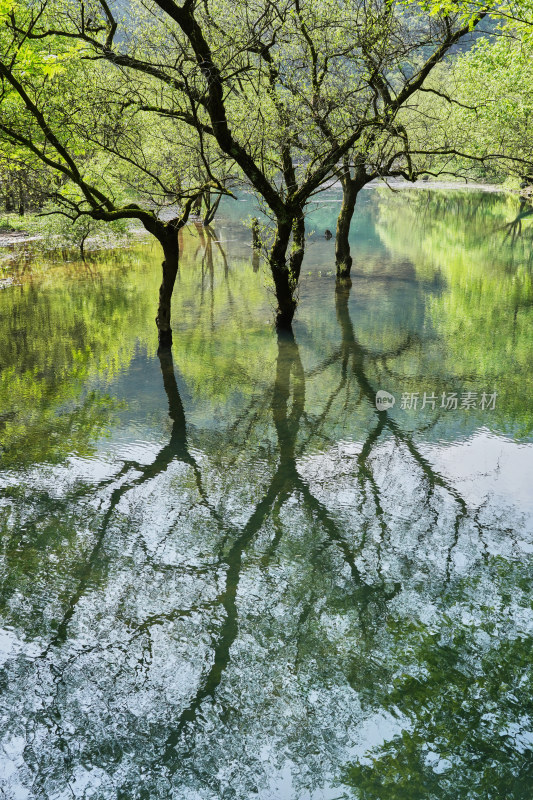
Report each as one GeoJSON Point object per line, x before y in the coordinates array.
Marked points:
{"type": "Point", "coordinates": [226, 573]}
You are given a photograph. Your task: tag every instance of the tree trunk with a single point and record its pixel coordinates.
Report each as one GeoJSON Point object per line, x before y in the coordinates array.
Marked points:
{"type": "Point", "coordinates": [82, 246]}
{"type": "Point", "coordinates": [212, 211]}
{"type": "Point", "coordinates": [256, 234]}
{"type": "Point", "coordinates": [281, 276]}
{"type": "Point", "coordinates": [343, 258]}
{"type": "Point", "coordinates": [286, 271]}
{"type": "Point", "coordinates": [256, 244]}
{"type": "Point", "coordinates": [170, 270]}
{"type": "Point", "coordinates": [298, 247]}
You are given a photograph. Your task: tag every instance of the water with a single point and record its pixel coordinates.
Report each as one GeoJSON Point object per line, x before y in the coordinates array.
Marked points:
{"type": "Point", "coordinates": [230, 575]}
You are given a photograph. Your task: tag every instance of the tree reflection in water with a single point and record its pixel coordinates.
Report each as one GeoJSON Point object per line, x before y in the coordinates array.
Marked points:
{"type": "Point", "coordinates": [201, 639]}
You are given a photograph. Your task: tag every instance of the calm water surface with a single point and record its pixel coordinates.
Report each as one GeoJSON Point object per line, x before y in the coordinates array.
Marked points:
{"type": "Point", "coordinates": [227, 573]}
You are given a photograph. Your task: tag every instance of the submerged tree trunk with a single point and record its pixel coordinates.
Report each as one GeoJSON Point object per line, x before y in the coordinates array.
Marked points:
{"type": "Point", "coordinates": [169, 235]}
{"type": "Point", "coordinates": [211, 210]}
{"type": "Point", "coordinates": [286, 270]}
{"type": "Point", "coordinates": [256, 234]}
{"type": "Point", "coordinates": [298, 247]}
{"type": "Point", "coordinates": [82, 246]}
{"type": "Point", "coordinates": [170, 266]}
{"type": "Point", "coordinates": [256, 244]}
{"type": "Point", "coordinates": [343, 258]}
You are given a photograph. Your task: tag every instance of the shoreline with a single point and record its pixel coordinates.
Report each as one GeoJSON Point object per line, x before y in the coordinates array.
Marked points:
{"type": "Point", "coordinates": [400, 183]}
{"type": "Point", "coordinates": [14, 237]}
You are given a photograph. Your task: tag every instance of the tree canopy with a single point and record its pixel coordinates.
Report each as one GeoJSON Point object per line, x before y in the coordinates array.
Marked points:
{"type": "Point", "coordinates": [151, 105]}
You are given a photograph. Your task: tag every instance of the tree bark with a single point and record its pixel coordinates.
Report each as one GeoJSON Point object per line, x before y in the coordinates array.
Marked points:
{"type": "Point", "coordinates": [286, 271]}
{"type": "Point", "coordinates": [343, 258]}
{"type": "Point", "coordinates": [298, 247]}
{"type": "Point", "coordinates": [256, 234]}
{"type": "Point", "coordinates": [170, 266]}
{"type": "Point", "coordinates": [82, 246]}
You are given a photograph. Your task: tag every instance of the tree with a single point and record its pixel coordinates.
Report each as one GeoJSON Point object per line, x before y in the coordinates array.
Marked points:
{"type": "Point", "coordinates": [22, 189]}
{"type": "Point", "coordinates": [494, 85]}
{"type": "Point", "coordinates": [62, 112]}
{"type": "Point", "coordinates": [373, 74]}
{"type": "Point", "coordinates": [292, 93]}
{"type": "Point", "coordinates": [226, 71]}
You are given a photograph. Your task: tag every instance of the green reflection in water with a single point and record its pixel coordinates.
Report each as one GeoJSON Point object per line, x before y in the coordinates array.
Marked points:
{"type": "Point", "coordinates": [61, 328]}
{"type": "Point", "coordinates": [482, 247]}
{"type": "Point", "coordinates": [229, 574]}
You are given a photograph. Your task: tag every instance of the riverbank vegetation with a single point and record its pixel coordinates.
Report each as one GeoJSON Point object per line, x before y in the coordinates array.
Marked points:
{"type": "Point", "coordinates": [153, 112]}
